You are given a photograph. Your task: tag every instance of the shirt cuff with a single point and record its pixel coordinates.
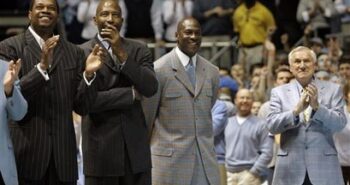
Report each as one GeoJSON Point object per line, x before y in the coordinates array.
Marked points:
{"type": "Point", "coordinates": [43, 73]}
{"type": "Point", "coordinates": [88, 83]}
{"type": "Point", "coordinates": [133, 93]}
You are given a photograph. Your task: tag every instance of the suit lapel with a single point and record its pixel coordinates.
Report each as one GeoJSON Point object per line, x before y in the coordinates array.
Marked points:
{"type": "Point", "coordinates": [180, 72]}
{"type": "Point", "coordinates": [32, 49]}
{"type": "Point", "coordinates": [200, 76]}
{"type": "Point", "coordinates": [109, 61]}
{"type": "Point", "coordinates": [57, 55]}
{"type": "Point", "coordinates": [293, 95]}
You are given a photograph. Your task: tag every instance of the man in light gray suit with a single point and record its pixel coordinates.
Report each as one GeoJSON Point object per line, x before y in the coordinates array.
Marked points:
{"type": "Point", "coordinates": [306, 112]}
{"type": "Point", "coordinates": [179, 115]}
{"type": "Point", "coordinates": [12, 106]}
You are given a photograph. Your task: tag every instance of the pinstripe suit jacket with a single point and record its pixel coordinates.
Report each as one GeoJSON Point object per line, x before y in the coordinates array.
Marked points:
{"type": "Point", "coordinates": [47, 129]}
{"type": "Point", "coordinates": [178, 116]}
{"type": "Point", "coordinates": [15, 108]}
{"type": "Point", "coordinates": [307, 147]}
{"type": "Point", "coordinates": [116, 120]}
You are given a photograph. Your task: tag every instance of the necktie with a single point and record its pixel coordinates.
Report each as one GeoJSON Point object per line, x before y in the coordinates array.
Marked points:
{"type": "Point", "coordinates": [190, 69]}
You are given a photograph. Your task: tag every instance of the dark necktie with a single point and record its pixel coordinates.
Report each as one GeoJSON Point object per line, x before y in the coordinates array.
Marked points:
{"type": "Point", "coordinates": [190, 69]}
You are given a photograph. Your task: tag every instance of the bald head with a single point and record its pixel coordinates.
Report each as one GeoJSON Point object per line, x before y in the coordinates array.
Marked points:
{"type": "Point", "coordinates": [189, 36]}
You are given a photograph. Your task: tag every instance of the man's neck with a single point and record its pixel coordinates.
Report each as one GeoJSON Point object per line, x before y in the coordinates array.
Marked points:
{"type": "Point", "coordinates": [43, 33]}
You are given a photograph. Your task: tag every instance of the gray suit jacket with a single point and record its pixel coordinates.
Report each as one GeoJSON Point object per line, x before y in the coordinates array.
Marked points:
{"type": "Point", "coordinates": [178, 116]}
{"type": "Point", "coordinates": [307, 147]}
{"type": "Point", "coordinates": [15, 108]}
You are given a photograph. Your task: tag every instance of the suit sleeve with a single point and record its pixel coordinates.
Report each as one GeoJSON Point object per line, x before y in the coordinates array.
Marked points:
{"type": "Point", "coordinates": [117, 98]}
{"type": "Point", "coordinates": [219, 117]}
{"type": "Point", "coordinates": [278, 121]}
{"type": "Point", "coordinates": [151, 107]}
{"type": "Point", "coordinates": [30, 82]}
{"type": "Point", "coordinates": [139, 69]}
{"type": "Point", "coordinates": [16, 104]}
{"type": "Point", "coordinates": [85, 95]}
{"type": "Point", "coordinates": [333, 117]}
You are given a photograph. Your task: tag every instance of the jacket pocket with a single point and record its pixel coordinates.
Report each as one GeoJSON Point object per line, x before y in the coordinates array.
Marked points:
{"type": "Point", "coordinates": [330, 152]}
{"type": "Point", "coordinates": [162, 151]}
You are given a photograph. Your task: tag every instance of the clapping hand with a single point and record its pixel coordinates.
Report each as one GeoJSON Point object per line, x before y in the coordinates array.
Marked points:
{"type": "Point", "coordinates": [94, 61]}
{"type": "Point", "coordinates": [47, 52]}
{"type": "Point", "coordinates": [11, 75]}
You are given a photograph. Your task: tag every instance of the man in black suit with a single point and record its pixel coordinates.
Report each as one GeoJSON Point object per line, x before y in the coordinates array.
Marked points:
{"type": "Point", "coordinates": [115, 140]}
{"type": "Point", "coordinates": [54, 82]}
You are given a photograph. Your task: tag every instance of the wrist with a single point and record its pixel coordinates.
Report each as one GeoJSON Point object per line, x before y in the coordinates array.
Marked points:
{"type": "Point", "coordinates": [43, 66]}
{"type": "Point", "coordinates": [8, 90]}
{"type": "Point", "coordinates": [89, 75]}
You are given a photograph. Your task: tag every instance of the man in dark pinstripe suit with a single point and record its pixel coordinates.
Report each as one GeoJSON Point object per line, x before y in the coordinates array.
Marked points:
{"type": "Point", "coordinates": [54, 84]}
{"type": "Point", "coordinates": [115, 138]}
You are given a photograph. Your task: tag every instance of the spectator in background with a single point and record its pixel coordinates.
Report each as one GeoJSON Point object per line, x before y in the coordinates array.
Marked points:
{"type": "Point", "coordinates": [219, 116]}
{"type": "Point", "coordinates": [214, 17]}
{"type": "Point", "coordinates": [173, 11]}
{"type": "Point", "coordinates": [314, 13]}
{"type": "Point", "coordinates": [248, 149]}
{"type": "Point", "coordinates": [85, 14]}
{"type": "Point", "coordinates": [344, 69]}
{"type": "Point", "coordinates": [254, 23]}
{"type": "Point", "coordinates": [342, 139]}
{"type": "Point", "coordinates": [256, 107]}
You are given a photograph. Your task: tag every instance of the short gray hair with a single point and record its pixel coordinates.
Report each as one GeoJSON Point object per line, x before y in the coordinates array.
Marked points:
{"type": "Point", "coordinates": [302, 48]}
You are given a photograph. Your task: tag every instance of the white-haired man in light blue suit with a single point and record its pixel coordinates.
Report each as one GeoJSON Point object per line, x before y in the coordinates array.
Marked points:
{"type": "Point", "coordinates": [12, 106]}
{"type": "Point", "coordinates": [306, 112]}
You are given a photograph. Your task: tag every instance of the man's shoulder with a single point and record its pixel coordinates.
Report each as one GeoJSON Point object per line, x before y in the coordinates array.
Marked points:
{"type": "Point", "coordinates": [134, 42]}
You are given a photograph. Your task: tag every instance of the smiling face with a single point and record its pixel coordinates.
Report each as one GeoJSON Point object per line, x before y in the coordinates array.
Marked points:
{"type": "Point", "coordinates": [108, 12]}
{"type": "Point", "coordinates": [302, 65]}
{"type": "Point", "coordinates": [244, 102]}
{"type": "Point", "coordinates": [189, 36]}
{"type": "Point", "coordinates": [43, 15]}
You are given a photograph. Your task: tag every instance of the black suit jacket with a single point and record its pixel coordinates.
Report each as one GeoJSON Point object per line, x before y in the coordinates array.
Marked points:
{"type": "Point", "coordinates": [47, 129]}
{"type": "Point", "coordinates": [116, 122]}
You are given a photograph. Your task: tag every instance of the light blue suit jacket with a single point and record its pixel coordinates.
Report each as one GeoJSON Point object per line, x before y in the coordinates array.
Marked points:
{"type": "Point", "coordinates": [307, 147]}
{"type": "Point", "coordinates": [14, 108]}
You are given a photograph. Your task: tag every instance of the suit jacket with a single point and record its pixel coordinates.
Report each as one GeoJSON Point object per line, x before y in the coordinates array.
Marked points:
{"type": "Point", "coordinates": [14, 107]}
{"type": "Point", "coordinates": [307, 147]}
{"type": "Point", "coordinates": [178, 116]}
{"type": "Point", "coordinates": [115, 126]}
{"type": "Point", "coordinates": [47, 129]}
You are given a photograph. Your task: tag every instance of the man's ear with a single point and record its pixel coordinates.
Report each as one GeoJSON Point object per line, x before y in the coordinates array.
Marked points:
{"type": "Point", "coordinates": [30, 16]}
{"type": "Point", "coordinates": [95, 20]}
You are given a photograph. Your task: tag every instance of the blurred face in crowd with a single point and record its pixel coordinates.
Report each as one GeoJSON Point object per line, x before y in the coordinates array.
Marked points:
{"type": "Point", "coordinates": [283, 77]}
{"type": "Point", "coordinates": [108, 13]}
{"type": "Point", "coordinates": [243, 102]}
{"type": "Point", "coordinates": [43, 15]}
{"type": "Point", "coordinates": [302, 64]}
{"type": "Point", "coordinates": [344, 70]}
{"type": "Point", "coordinates": [189, 36]}
{"type": "Point", "coordinates": [237, 71]}
{"type": "Point", "coordinates": [256, 107]}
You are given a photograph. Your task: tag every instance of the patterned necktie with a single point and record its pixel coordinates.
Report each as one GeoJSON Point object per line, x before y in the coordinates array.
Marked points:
{"type": "Point", "coordinates": [191, 72]}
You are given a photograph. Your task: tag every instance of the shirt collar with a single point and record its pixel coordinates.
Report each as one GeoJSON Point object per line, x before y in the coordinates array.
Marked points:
{"type": "Point", "coordinates": [38, 39]}
{"type": "Point", "coordinates": [104, 42]}
{"type": "Point", "coordinates": [184, 59]}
